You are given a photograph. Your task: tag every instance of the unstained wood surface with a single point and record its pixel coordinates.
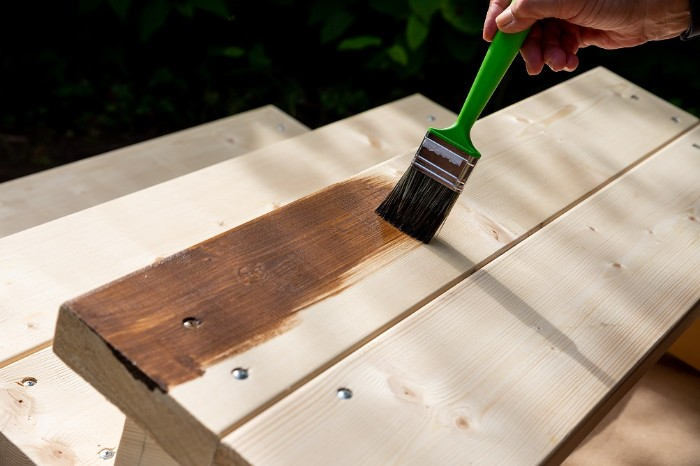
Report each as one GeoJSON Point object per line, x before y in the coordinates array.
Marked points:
{"type": "Point", "coordinates": [45, 265]}
{"type": "Point", "coordinates": [44, 196]}
{"type": "Point", "coordinates": [51, 416]}
{"type": "Point", "coordinates": [569, 167]}
{"type": "Point", "coordinates": [503, 367]}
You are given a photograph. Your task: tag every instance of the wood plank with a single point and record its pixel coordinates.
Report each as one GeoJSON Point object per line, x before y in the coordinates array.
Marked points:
{"type": "Point", "coordinates": [10, 455]}
{"type": "Point", "coordinates": [511, 196]}
{"type": "Point", "coordinates": [50, 416]}
{"type": "Point", "coordinates": [663, 406]}
{"type": "Point", "coordinates": [34, 286]}
{"type": "Point", "coordinates": [79, 252]}
{"type": "Point", "coordinates": [508, 365]}
{"type": "Point", "coordinates": [241, 287]}
{"type": "Point", "coordinates": [41, 197]}
{"type": "Point", "coordinates": [137, 448]}
{"type": "Point", "coordinates": [50, 193]}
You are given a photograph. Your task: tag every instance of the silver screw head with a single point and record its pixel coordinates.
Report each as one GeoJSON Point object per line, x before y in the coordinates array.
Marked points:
{"type": "Point", "coordinates": [107, 454]}
{"type": "Point", "coordinates": [281, 128]}
{"type": "Point", "coordinates": [29, 381]}
{"type": "Point", "coordinates": [240, 373]}
{"type": "Point", "coordinates": [344, 393]}
{"type": "Point", "coordinates": [191, 322]}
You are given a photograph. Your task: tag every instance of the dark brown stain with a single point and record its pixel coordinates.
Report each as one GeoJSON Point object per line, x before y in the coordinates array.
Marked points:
{"type": "Point", "coordinates": [243, 286]}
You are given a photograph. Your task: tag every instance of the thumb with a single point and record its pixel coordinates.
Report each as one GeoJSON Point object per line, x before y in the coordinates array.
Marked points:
{"type": "Point", "coordinates": [520, 15]}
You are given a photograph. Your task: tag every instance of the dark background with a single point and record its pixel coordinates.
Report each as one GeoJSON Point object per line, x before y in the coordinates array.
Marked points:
{"type": "Point", "coordinates": [86, 76]}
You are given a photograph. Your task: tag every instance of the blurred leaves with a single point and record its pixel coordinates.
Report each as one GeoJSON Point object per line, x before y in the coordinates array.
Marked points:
{"type": "Point", "coordinates": [117, 67]}
{"type": "Point", "coordinates": [359, 43]}
{"type": "Point", "coordinates": [153, 17]}
{"type": "Point", "coordinates": [416, 32]}
{"type": "Point", "coordinates": [217, 7]}
{"type": "Point", "coordinates": [120, 7]}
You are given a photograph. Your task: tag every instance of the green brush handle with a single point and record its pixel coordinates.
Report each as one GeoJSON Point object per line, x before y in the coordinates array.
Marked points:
{"type": "Point", "coordinates": [498, 59]}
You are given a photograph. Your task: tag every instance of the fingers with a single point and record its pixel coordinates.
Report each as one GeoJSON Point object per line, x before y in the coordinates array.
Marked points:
{"type": "Point", "coordinates": [521, 14]}
{"type": "Point", "coordinates": [555, 55]}
{"type": "Point", "coordinates": [495, 9]}
{"type": "Point", "coordinates": [515, 18]}
{"type": "Point", "coordinates": [571, 42]}
{"type": "Point", "coordinates": [532, 52]}
{"type": "Point", "coordinates": [551, 43]}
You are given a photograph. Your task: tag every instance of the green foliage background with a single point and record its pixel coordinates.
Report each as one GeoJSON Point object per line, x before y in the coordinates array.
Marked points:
{"type": "Point", "coordinates": [85, 76]}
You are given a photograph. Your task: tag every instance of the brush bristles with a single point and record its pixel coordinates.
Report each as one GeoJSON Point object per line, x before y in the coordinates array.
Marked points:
{"type": "Point", "coordinates": [418, 205]}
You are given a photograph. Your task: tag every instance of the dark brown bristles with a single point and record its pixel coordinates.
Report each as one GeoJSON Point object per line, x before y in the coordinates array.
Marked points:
{"type": "Point", "coordinates": [418, 205]}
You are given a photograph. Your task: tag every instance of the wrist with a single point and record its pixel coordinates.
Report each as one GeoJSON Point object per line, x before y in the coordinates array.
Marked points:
{"type": "Point", "coordinates": [666, 19]}
{"type": "Point", "coordinates": [693, 29]}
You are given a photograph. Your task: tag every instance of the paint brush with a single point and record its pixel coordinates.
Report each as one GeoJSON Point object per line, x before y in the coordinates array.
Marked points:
{"type": "Point", "coordinates": [424, 195]}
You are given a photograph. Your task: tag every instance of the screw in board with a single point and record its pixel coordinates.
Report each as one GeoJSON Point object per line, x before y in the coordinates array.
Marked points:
{"type": "Point", "coordinates": [240, 373]}
{"type": "Point", "coordinates": [107, 454]}
{"type": "Point", "coordinates": [344, 393]}
{"type": "Point", "coordinates": [29, 381]}
{"type": "Point", "coordinates": [191, 322]}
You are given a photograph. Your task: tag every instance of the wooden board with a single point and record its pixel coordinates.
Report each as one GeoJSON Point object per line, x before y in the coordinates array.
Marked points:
{"type": "Point", "coordinates": [52, 416]}
{"type": "Point", "coordinates": [70, 259]}
{"type": "Point", "coordinates": [28, 201]}
{"type": "Point", "coordinates": [40, 425]}
{"type": "Point", "coordinates": [511, 365]}
{"type": "Point", "coordinates": [53, 262]}
{"type": "Point", "coordinates": [137, 448]}
{"type": "Point", "coordinates": [510, 197]}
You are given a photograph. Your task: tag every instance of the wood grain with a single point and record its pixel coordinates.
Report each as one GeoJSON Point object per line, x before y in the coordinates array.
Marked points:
{"type": "Point", "coordinates": [137, 448]}
{"type": "Point", "coordinates": [44, 196]}
{"type": "Point", "coordinates": [173, 319]}
{"type": "Point", "coordinates": [514, 363]}
{"type": "Point", "coordinates": [56, 261]}
{"type": "Point", "coordinates": [57, 419]}
{"type": "Point", "coordinates": [45, 265]}
{"type": "Point", "coordinates": [52, 433]}
{"type": "Point", "coordinates": [511, 196]}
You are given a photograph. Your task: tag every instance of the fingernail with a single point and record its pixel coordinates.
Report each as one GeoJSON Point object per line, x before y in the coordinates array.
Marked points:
{"type": "Point", "coordinates": [505, 18]}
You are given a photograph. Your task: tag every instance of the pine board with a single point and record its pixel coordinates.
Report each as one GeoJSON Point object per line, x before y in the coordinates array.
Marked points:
{"type": "Point", "coordinates": [44, 196]}
{"type": "Point", "coordinates": [137, 448]}
{"type": "Point", "coordinates": [88, 245]}
{"type": "Point", "coordinates": [493, 213]}
{"type": "Point", "coordinates": [55, 261]}
{"type": "Point", "coordinates": [40, 425]}
{"type": "Point", "coordinates": [512, 364]}
{"type": "Point", "coordinates": [58, 420]}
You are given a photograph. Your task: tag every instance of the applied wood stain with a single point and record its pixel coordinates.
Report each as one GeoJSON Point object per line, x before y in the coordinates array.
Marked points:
{"type": "Point", "coordinates": [242, 287]}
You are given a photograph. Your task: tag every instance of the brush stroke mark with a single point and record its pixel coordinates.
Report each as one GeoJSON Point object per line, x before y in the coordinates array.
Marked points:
{"type": "Point", "coordinates": [245, 285]}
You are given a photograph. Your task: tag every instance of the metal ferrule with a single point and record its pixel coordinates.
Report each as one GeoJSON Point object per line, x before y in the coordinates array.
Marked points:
{"type": "Point", "coordinates": [443, 162]}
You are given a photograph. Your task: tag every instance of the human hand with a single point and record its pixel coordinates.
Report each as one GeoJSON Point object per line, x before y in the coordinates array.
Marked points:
{"type": "Point", "coordinates": [561, 28]}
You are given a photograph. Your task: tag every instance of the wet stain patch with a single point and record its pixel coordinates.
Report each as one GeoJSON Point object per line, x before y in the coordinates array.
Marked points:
{"type": "Point", "coordinates": [243, 286]}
